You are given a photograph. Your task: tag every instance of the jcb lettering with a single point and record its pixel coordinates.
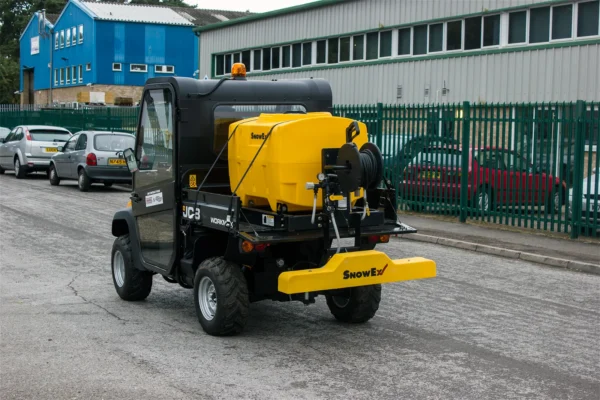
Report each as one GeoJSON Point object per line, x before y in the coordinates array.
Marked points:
{"type": "Point", "coordinates": [191, 213]}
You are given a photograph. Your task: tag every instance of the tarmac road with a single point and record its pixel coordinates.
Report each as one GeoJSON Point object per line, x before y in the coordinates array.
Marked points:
{"type": "Point", "coordinates": [485, 328]}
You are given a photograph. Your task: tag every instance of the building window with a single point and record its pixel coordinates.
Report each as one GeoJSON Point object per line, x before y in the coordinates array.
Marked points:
{"type": "Point", "coordinates": [562, 22]}
{"type": "Point", "coordinates": [56, 40]}
{"type": "Point", "coordinates": [236, 58]}
{"type": "Point", "coordinates": [286, 56]}
{"type": "Point", "coordinates": [517, 27]}
{"type": "Point", "coordinates": [307, 53]}
{"type": "Point", "coordinates": [385, 44]}
{"type": "Point", "coordinates": [55, 77]}
{"type": "Point", "coordinates": [74, 74]}
{"type": "Point", "coordinates": [345, 49]}
{"type": "Point", "coordinates": [404, 42]}
{"type": "Point", "coordinates": [420, 40]}
{"type": "Point", "coordinates": [436, 37]}
{"type": "Point", "coordinates": [62, 76]}
{"type": "Point", "coordinates": [80, 33]}
{"type": "Point", "coordinates": [539, 25]}
{"type": "Point", "coordinates": [454, 35]}
{"type": "Point", "coordinates": [297, 55]}
{"type": "Point", "coordinates": [266, 59]}
{"type": "Point", "coordinates": [372, 45]}
{"type": "Point", "coordinates": [246, 59]}
{"type": "Point", "coordinates": [139, 68]}
{"type": "Point", "coordinates": [491, 30]}
{"type": "Point", "coordinates": [62, 39]}
{"type": "Point", "coordinates": [219, 65]}
{"type": "Point", "coordinates": [80, 73]}
{"type": "Point", "coordinates": [88, 67]}
{"type": "Point", "coordinates": [275, 57]}
{"type": "Point", "coordinates": [227, 63]}
{"type": "Point", "coordinates": [68, 73]}
{"type": "Point", "coordinates": [74, 35]}
{"type": "Point", "coordinates": [332, 51]}
{"type": "Point", "coordinates": [68, 43]}
{"type": "Point", "coordinates": [473, 33]}
{"type": "Point", "coordinates": [162, 69]}
{"type": "Point", "coordinates": [587, 19]}
{"type": "Point", "coordinates": [117, 67]}
{"type": "Point", "coordinates": [321, 51]}
{"type": "Point", "coordinates": [358, 47]}
{"type": "Point", "coordinates": [257, 60]}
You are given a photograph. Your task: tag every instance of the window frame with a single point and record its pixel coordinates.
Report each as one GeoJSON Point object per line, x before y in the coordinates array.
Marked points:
{"type": "Point", "coordinates": [163, 69]}
{"type": "Point", "coordinates": [576, 22]}
{"type": "Point", "coordinates": [62, 76]}
{"type": "Point", "coordinates": [138, 71]}
{"type": "Point", "coordinates": [68, 37]}
{"type": "Point", "coordinates": [500, 31]}
{"type": "Point", "coordinates": [67, 75]}
{"type": "Point", "coordinates": [410, 42]}
{"type": "Point", "coordinates": [73, 74]}
{"type": "Point", "coordinates": [55, 76]}
{"type": "Point", "coordinates": [551, 40]}
{"type": "Point", "coordinates": [364, 47]}
{"type": "Point", "coordinates": [119, 69]}
{"type": "Point", "coordinates": [74, 36]}
{"type": "Point", "coordinates": [443, 24]}
{"type": "Point", "coordinates": [80, 34]}
{"type": "Point", "coordinates": [462, 35]}
{"type": "Point", "coordinates": [529, 25]}
{"type": "Point", "coordinates": [526, 42]}
{"type": "Point", "coordinates": [56, 40]}
{"type": "Point", "coordinates": [88, 67]}
{"type": "Point", "coordinates": [80, 73]}
{"type": "Point", "coordinates": [62, 39]}
{"type": "Point", "coordinates": [349, 37]}
{"type": "Point", "coordinates": [393, 51]}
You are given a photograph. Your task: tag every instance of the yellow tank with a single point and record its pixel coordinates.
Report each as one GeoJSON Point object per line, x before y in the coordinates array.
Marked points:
{"type": "Point", "coordinates": [290, 158]}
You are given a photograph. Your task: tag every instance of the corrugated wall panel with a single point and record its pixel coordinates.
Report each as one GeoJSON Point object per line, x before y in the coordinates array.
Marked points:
{"type": "Point", "coordinates": [541, 75]}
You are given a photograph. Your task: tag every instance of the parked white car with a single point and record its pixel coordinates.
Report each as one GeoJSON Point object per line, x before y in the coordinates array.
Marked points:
{"type": "Point", "coordinates": [590, 208]}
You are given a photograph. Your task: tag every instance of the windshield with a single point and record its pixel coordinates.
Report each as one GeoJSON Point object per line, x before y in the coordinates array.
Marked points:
{"type": "Point", "coordinates": [225, 115]}
{"type": "Point", "coordinates": [113, 142]}
{"type": "Point", "coordinates": [46, 135]}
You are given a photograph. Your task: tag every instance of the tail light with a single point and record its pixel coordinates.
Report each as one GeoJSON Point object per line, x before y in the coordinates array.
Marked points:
{"type": "Point", "coordinates": [27, 135]}
{"type": "Point", "coordinates": [379, 239]}
{"type": "Point", "coordinates": [91, 160]}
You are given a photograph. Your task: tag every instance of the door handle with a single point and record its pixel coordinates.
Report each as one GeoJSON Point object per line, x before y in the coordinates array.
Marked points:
{"type": "Point", "coordinates": [135, 197]}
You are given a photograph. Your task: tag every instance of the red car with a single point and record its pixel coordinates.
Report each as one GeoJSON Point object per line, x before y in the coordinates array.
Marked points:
{"type": "Point", "coordinates": [497, 177]}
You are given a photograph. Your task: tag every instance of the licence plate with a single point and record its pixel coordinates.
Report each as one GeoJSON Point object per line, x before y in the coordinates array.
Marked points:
{"type": "Point", "coordinates": [116, 161]}
{"type": "Point", "coordinates": [51, 149]}
{"type": "Point", "coordinates": [430, 174]}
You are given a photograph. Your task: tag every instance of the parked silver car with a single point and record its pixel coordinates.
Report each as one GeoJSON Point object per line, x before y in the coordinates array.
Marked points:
{"type": "Point", "coordinates": [92, 157]}
{"type": "Point", "coordinates": [28, 148]}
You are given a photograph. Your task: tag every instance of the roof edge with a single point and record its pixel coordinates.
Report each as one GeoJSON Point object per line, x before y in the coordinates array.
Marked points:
{"type": "Point", "coordinates": [270, 14]}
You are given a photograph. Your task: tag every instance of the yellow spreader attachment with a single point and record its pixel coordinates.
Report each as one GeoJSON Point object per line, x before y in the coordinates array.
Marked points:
{"type": "Point", "coordinates": [359, 268]}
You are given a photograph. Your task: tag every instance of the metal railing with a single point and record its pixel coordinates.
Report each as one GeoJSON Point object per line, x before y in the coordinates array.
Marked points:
{"type": "Point", "coordinates": [526, 165]}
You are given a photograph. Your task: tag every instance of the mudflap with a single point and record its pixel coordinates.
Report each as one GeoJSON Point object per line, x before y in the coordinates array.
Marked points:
{"type": "Point", "coordinates": [353, 269]}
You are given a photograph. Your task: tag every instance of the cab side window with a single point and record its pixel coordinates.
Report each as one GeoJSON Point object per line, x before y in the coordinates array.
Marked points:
{"type": "Point", "coordinates": [81, 142]}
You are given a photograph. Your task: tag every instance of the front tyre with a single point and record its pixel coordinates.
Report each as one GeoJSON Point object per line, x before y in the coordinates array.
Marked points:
{"type": "Point", "coordinates": [221, 297]}
{"type": "Point", "coordinates": [53, 176]}
{"type": "Point", "coordinates": [355, 305]}
{"type": "Point", "coordinates": [130, 283]}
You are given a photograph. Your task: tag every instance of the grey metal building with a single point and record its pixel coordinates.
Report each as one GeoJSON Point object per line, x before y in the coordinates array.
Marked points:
{"type": "Point", "coordinates": [419, 51]}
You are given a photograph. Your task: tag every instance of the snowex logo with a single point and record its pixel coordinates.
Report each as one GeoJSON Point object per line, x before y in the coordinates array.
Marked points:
{"type": "Point", "coordinates": [257, 136]}
{"type": "Point", "coordinates": [365, 274]}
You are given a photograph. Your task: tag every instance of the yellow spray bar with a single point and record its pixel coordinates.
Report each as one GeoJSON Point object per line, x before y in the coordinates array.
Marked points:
{"type": "Point", "coordinates": [359, 268]}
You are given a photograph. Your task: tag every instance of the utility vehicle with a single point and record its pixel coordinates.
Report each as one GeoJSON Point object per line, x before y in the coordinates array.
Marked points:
{"type": "Point", "coordinates": [240, 189]}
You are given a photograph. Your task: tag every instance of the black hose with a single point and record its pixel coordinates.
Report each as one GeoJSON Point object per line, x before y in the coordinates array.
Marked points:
{"type": "Point", "coordinates": [369, 169]}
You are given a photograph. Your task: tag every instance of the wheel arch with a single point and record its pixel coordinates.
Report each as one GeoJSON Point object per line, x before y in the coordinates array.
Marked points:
{"type": "Point", "coordinates": [123, 223]}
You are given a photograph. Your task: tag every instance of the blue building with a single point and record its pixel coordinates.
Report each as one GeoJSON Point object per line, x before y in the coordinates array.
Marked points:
{"type": "Point", "coordinates": [109, 49]}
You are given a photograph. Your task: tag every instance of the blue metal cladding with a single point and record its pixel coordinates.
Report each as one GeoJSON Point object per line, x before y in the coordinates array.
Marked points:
{"type": "Point", "coordinates": [105, 43]}
{"type": "Point", "coordinates": [78, 52]}
{"type": "Point", "coordinates": [38, 62]}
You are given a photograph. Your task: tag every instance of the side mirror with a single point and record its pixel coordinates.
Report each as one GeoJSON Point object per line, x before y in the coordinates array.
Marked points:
{"type": "Point", "coordinates": [132, 164]}
{"type": "Point", "coordinates": [60, 148]}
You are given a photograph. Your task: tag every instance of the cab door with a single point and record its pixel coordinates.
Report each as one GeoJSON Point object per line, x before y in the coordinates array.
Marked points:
{"type": "Point", "coordinates": [153, 197]}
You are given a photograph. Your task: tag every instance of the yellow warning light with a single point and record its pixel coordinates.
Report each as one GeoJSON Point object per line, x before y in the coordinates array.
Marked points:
{"type": "Point", "coordinates": [238, 70]}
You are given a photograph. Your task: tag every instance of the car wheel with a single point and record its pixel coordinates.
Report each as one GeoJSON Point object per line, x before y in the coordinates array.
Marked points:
{"type": "Point", "coordinates": [130, 283]}
{"type": "Point", "coordinates": [553, 202]}
{"type": "Point", "coordinates": [83, 181]}
{"type": "Point", "coordinates": [53, 176]}
{"type": "Point", "coordinates": [356, 305]}
{"type": "Point", "coordinates": [483, 200]}
{"type": "Point", "coordinates": [19, 170]}
{"type": "Point", "coordinates": [221, 297]}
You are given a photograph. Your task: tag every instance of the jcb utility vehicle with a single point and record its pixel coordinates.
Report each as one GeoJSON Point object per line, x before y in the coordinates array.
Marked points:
{"type": "Point", "coordinates": [239, 190]}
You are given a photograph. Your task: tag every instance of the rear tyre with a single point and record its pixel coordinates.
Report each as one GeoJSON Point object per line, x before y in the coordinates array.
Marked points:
{"type": "Point", "coordinates": [53, 176]}
{"type": "Point", "coordinates": [83, 181]}
{"type": "Point", "coordinates": [221, 297]}
{"type": "Point", "coordinates": [483, 201]}
{"type": "Point", "coordinates": [19, 169]}
{"type": "Point", "coordinates": [554, 200]}
{"type": "Point", "coordinates": [108, 184]}
{"type": "Point", "coordinates": [359, 304]}
{"type": "Point", "coordinates": [130, 283]}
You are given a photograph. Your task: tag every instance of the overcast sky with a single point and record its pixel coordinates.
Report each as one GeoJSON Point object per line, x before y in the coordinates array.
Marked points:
{"type": "Point", "coordinates": [243, 5]}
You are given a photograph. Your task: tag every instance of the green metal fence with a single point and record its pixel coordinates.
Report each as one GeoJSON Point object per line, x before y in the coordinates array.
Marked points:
{"type": "Point", "coordinates": [101, 118]}
{"type": "Point", "coordinates": [525, 165]}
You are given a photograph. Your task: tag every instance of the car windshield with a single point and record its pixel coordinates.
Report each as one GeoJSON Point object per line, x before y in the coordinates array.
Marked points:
{"type": "Point", "coordinates": [113, 142]}
{"type": "Point", "coordinates": [47, 135]}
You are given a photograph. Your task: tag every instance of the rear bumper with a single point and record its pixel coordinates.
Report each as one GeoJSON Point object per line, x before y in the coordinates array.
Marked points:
{"type": "Point", "coordinates": [359, 268]}
{"type": "Point", "coordinates": [37, 164]}
{"type": "Point", "coordinates": [109, 174]}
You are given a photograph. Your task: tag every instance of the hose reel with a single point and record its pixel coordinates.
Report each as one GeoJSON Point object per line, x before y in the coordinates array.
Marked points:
{"type": "Point", "coordinates": [359, 168]}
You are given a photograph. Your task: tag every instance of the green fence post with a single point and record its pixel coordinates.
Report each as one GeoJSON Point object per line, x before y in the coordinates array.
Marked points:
{"type": "Point", "coordinates": [379, 129]}
{"type": "Point", "coordinates": [578, 169]}
{"type": "Point", "coordinates": [464, 176]}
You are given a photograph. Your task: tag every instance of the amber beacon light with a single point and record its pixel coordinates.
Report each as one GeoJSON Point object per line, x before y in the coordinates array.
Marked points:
{"type": "Point", "coordinates": [238, 70]}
